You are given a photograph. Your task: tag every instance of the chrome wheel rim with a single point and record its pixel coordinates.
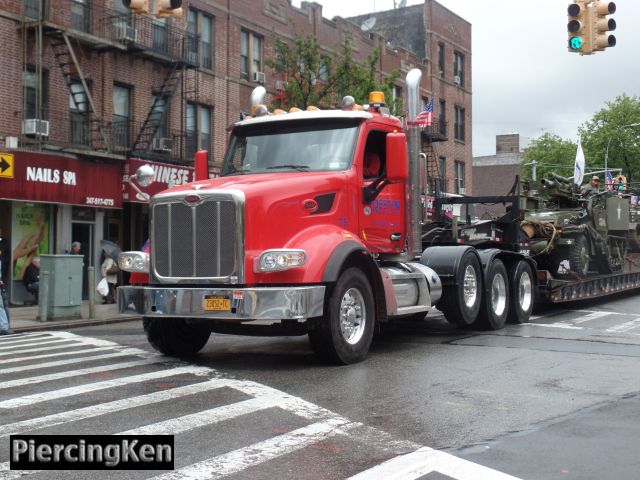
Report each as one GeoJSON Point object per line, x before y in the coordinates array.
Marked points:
{"type": "Point", "coordinates": [352, 316]}
{"type": "Point", "coordinates": [525, 291]}
{"type": "Point", "coordinates": [470, 286]}
{"type": "Point", "coordinates": [498, 294]}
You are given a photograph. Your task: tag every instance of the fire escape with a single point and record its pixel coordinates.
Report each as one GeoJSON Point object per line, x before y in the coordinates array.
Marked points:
{"type": "Point", "coordinates": [74, 31]}
{"type": "Point", "coordinates": [436, 132]}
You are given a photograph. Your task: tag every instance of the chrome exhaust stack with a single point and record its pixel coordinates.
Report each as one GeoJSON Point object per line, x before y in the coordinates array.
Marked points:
{"type": "Point", "coordinates": [415, 182]}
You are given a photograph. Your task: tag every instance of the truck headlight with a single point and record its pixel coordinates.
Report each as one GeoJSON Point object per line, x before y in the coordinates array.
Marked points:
{"type": "Point", "coordinates": [134, 262]}
{"type": "Point", "coordinates": [280, 259]}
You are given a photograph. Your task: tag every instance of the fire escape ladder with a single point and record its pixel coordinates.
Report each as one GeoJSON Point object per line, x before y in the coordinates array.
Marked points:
{"type": "Point", "coordinates": [434, 176]}
{"type": "Point", "coordinates": [158, 111]}
{"type": "Point", "coordinates": [82, 99]}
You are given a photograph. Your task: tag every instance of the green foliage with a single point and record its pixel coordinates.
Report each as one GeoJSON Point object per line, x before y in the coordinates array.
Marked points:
{"type": "Point", "coordinates": [552, 154]}
{"type": "Point", "coordinates": [316, 78]}
{"type": "Point", "coordinates": [608, 128]}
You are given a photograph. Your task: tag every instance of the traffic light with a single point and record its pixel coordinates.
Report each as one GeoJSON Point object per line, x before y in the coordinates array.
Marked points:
{"type": "Point", "coordinates": [137, 6]}
{"type": "Point", "coordinates": [579, 27]}
{"type": "Point", "coordinates": [169, 8]}
{"type": "Point", "coordinates": [601, 25]}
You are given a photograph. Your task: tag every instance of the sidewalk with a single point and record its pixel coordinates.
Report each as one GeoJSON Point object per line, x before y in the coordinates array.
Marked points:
{"type": "Point", "coordinates": [24, 319]}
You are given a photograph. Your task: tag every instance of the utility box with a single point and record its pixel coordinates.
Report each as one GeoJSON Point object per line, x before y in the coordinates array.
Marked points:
{"type": "Point", "coordinates": [65, 285]}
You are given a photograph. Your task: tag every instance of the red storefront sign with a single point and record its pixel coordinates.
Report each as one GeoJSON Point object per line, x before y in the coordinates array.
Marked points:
{"type": "Point", "coordinates": [166, 176]}
{"type": "Point", "coordinates": [40, 177]}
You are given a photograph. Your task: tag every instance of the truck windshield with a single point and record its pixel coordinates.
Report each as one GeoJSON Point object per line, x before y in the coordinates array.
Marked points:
{"type": "Point", "coordinates": [287, 146]}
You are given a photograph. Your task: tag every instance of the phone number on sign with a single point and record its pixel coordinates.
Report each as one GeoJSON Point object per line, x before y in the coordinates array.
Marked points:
{"type": "Point", "coordinates": [109, 202]}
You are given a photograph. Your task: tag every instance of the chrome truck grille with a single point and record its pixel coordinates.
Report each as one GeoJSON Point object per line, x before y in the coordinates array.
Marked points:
{"type": "Point", "coordinates": [197, 237]}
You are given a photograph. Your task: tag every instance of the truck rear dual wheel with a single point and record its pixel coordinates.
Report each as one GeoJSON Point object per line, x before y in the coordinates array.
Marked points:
{"type": "Point", "coordinates": [461, 302]}
{"type": "Point", "coordinates": [521, 293]}
{"type": "Point", "coordinates": [345, 333]}
{"type": "Point", "coordinates": [495, 304]}
{"type": "Point", "coordinates": [174, 336]}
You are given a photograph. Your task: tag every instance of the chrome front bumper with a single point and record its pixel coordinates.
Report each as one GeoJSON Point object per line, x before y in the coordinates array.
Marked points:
{"type": "Point", "coordinates": [266, 303]}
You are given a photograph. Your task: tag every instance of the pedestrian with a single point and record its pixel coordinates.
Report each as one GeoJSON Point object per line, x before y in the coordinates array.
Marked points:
{"type": "Point", "coordinates": [109, 270]}
{"type": "Point", "coordinates": [4, 309]}
{"type": "Point", "coordinates": [31, 277]}
{"type": "Point", "coordinates": [5, 257]}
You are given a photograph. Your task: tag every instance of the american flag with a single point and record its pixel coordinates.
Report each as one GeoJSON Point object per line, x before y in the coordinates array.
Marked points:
{"type": "Point", "coordinates": [425, 117]}
{"type": "Point", "coordinates": [608, 179]}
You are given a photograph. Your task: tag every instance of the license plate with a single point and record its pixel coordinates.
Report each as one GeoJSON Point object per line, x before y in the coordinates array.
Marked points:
{"type": "Point", "coordinates": [217, 304]}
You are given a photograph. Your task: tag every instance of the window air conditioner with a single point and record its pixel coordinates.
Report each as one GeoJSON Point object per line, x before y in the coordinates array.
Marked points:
{"type": "Point", "coordinates": [463, 191]}
{"type": "Point", "coordinates": [161, 145]}
{"type": "Point", "coordinates": [258, 77]}
{"type": "Point", "coordinates": [281, 85]}
{"type": "Point", "coordinates": [35, 126]}
{"type": "Point", "coordinates": [125, 33]}
{"type": "Point", "coordinates": [456, 79]}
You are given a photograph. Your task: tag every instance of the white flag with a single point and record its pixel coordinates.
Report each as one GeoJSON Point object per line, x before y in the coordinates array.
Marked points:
{"type": "Point", "coordinates": [578, 169]}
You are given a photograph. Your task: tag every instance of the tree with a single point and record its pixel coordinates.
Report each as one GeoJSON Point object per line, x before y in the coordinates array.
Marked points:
{"type": "Point", "coordinates": [552, 154]}
{"type": "Point", "coordinates": [609, 129]}
{"type": "Point", "coordinates": [313, 77]}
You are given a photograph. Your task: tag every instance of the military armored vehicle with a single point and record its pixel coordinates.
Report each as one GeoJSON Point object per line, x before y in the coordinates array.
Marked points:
{"type": "Point", "coordinates": [573, 234]}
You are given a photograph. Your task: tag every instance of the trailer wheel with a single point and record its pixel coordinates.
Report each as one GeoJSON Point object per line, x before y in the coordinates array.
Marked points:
{"type": "Point", "coordinates": [460, 303]}
{"type": "Point", "coordinates": [495, 304]}
{"type": "Point", "coordinates": [174, 336]}
{"type": "Point", "coordinates": [346, 332]}
{"type": "Point", "coordinates": [521, 293]}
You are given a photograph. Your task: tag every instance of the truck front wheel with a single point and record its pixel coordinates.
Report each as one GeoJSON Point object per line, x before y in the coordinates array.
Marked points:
{"type": "Point", "coordinates": [347, 330]}
{"type": "Point", "coordinates": [174, 336]}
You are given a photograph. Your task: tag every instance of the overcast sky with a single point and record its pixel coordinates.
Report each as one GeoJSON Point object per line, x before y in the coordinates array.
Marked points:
{"type": "Point", "coordinates": [524, 79]}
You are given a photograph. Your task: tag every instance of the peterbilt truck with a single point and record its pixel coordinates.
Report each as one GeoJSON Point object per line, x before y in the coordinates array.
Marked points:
{"type": "Point", "coordinates": [314, 227]}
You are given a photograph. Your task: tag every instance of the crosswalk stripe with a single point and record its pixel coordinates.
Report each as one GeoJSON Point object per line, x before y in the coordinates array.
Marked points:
{"type": "Point", "coordinates": [427, 460]}
{"type": "Point", "coordinates": [81, 371]}
{"type": "Point", "coordinates": [92, 387]}
{"type": "Point", "coordinates": [50, 355]}
{"type": "Point", "coordinates": [43, 349]}
{"type": "Point", "coordinates": [110, 407]}
{"type": "Point", "coordinates": [12, 350]}
{"type": "Point", "coordinates": [22, 337]}
{"type": "Point", "coordinates": [22, 340]}
{"type": "Point", "coordinates": [71, 361]}
{"type": "Point", "coordinates": [185, 423]}
{"type": "Point", "coordinates": [590, 316]}
{"type": "Point", "coordinates": [257, 453]}
{"type": "Point", "coordinates": [624, 327]}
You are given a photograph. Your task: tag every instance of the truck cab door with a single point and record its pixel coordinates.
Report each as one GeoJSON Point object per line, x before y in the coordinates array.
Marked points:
{"type": "Point", "coordinates": [381, 219]}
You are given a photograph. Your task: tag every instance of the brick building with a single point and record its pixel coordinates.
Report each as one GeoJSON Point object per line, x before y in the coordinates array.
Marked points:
{"type": "Point", "coordinates": [91, 91]}
{"type": "Point", "coordinates": [442, 41]}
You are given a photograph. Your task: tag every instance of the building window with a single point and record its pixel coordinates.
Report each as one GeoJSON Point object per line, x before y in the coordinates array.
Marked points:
{"type": "Point", "coordinates": [159, 105]}
{"type": "Point", "coordinates": [80, 19]}
{"type": "Point", "coordinates": [201, 25]}
{"type": "Point", "coordinates": [160, 34]}
{"type": "Point", "coordinates": [250, 54]}
{"type": "Point", "coordinates": [442, 173]}
{"type": "Point", "coordinates": [459, 126]}
{"type": "Point", "coordinates": [442, 122]}
{"type": "Point", "coordinates": [441, 59]}
{"type": "Point", "coordinates": [78, 115]}
{"type": "Point", "coordinates": [458, 68]}
{"type": "Point", "coordinates": [460, 178]}
{"type": "Point", "coordinates": [30, 93]}
{"type": "Point", "coordinates": [397, 97]}
{"type": "Point", "coordinates": [198, 129]}
{"type": "Point", "coordinates": [121, 137]}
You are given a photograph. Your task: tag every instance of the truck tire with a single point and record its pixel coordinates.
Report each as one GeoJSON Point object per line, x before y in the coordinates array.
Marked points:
{"type": "Point", "coordinates": [579, 256]}
{"type": "Point", "coordinates": [495, 303]}
{"type": "Point", "coordinates": [460, 302]}
{"type": "Point", "coordinates": [521, 293]}
{"type": "Point", "coordinates": [174, 336]}
{"type": "Point", "coordinates": [347, 330]}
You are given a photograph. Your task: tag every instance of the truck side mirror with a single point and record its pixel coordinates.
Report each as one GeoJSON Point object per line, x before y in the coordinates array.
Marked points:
{"type": "Point", "coordinates": [397, 162]}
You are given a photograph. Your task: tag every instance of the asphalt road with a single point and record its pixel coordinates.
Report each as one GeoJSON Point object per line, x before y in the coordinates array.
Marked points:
{"type": "Point", "coordinates": [555, 399]}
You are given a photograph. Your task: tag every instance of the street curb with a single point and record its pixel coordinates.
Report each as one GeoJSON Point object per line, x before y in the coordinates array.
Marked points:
{"type": "Point", "coordinates": [72, 324]}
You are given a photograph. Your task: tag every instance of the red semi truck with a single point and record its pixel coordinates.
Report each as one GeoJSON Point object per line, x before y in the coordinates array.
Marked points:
{"type": "Point", "coordinates": [315, 226]}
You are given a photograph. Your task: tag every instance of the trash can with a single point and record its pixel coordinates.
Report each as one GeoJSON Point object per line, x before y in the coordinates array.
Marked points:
{"type": "Point", "coordinates": [65, 285]}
